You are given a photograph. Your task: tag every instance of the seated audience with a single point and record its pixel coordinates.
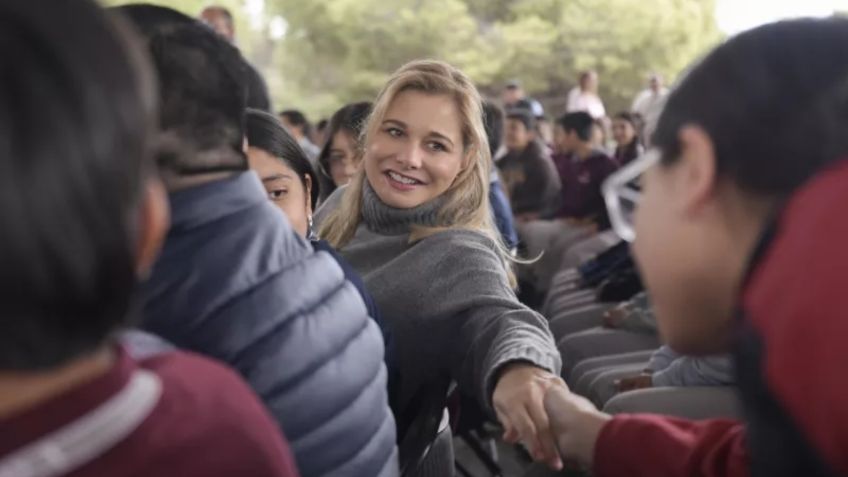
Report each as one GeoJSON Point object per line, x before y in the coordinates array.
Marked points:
{"type": "Point", "coordinates": [415, 222]}
{"type": "Point", "coordinates": [340, 157]}
{"type": "Point", "coordinates": [529, 175]}
{"type": "Point", "coordinates": [628, 146]}
{"type": "Point", "coordinates": [582, 170]}
{"type": "Point", "coordinates": [292, 185]}
{"type": "Point", "coordinates": [83, 216]}
{"type": "Point", "coordinates": [737, 239]}
{"type": "Point", "coordinates": [236, 282]}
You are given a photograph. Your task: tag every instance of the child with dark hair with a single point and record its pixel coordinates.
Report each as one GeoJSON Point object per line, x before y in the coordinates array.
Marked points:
{"type": "Point", "coordinates": [339, 158]}
{"type": "Point", "coordinates": [83, 215]}
{"type": "Point", "coordinates": [582, 169]}
{"type": "Point", "coordinates": [625, 127]}
{"type": "Point", "coordinates": [292, 185]}
{"type": "Point", "coordinates": [739, 239]}
{"type": "Point", "coordinates": [236, 282]}
{"type": "Point", "coordinates": [529, 175]}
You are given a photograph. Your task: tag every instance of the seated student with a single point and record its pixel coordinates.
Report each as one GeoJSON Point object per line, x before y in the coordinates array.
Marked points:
{"type": "Point", "coordinates": [739, 237]}
{"type": "Point", "coordinates": [83, 215]}
{"type": "Point", "coordinates": [493, 120]}
{"type": "Point", "coordinates": [415, 222]}
{"type": "Point", "coordinates": [529, 175]}
{"type": "Point", "coordinates": [293, 186]}
{"type": "Point", "coordinates": [236, 282]}
{"type": "Point", "coordinates": [696, 387]}
{"type": "Point", "coordinates": [340, 156]}
{"type": "Point", "coordinates": [582, 170]}
{"type": "Point", "coordinates": [582, 173]}
{"type": "Point", "coordinates": [628, 146]}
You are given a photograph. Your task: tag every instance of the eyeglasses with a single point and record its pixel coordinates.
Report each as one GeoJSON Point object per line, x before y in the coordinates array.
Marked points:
{"type": "Point", "coordinates": [622, 192]}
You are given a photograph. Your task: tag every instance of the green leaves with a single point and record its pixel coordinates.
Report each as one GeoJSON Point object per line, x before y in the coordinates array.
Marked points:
{"type": "Point", "coordinates": [338, 51]}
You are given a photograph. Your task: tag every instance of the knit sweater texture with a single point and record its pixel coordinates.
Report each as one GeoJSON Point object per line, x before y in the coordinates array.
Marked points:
{"type": "Point", "coordinates": [452, 311]}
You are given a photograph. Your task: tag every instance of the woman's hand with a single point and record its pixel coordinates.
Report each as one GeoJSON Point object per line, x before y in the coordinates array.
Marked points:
{"type": "Point", "coordinates": [519, 403]}
{"type": "Point", "coordinates": [575, 423]}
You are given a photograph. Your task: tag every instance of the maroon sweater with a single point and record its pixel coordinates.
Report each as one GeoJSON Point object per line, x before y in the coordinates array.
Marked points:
{"type": "Point", "coordinates": [790, 358]}
{"type": "Point", "coordinates": [206, 423]}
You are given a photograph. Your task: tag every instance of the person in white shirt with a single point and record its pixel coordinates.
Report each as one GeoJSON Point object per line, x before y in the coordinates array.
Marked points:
{"type": "Point", "coordinates": [653, 95]}
{"type": "Point", "coordinates": [585, 96]}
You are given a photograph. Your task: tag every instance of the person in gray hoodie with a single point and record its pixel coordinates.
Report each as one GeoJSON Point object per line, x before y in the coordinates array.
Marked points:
{"type": "Point", "coordinates": [236, 283]}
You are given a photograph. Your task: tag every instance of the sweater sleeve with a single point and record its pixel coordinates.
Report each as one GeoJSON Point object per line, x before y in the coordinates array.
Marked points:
{"type": "Point", "coordinates": [491, 327]}
{"type": "Point", "coordinates": [662, 358]}
{"type": "Point", "coordinates": [648, 446]}
{"type": "Point", "coordinates": [696, 371]}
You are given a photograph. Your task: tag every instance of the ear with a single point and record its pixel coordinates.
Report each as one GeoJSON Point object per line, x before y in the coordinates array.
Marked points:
{"type": "Point", "coordinates": [153, 223]}
{"type": "Point", "coordinates": [696, 174]}
{"type": "Point", "coordinates": [308, 182]}
{"type": "Point", "coordinates": [244, 145]}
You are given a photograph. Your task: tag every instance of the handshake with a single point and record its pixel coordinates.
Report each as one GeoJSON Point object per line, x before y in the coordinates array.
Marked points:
{"type": "Point", "coordinates": [575, 424]}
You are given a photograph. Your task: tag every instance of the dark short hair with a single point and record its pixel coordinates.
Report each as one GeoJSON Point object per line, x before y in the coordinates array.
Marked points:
{"type": "Point", "coordinates": [493, 121]}
{"type": "Point", "coordinates": [351, 119]}
{"type": "Point", "coordinates": [295, 117]}
{"type": "Point", "coordinates": [265, 131]}
{"type": "Point", "coordinates": [629, 117]}
{"type": "Point", "coordinates": [785, 117]}
{"type": "Point", "coordinates": [525, 116]}
{"type": "Point", "coordinates": [580, 122]}
{"type": "Point", "coordinates": [203, 90]}
{"type": "Point", "coordinates": [78, 118]}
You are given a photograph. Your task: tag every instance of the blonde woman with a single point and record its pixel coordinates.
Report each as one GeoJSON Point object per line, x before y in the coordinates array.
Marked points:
{"type": "Point", "coordinates": [415, 222]}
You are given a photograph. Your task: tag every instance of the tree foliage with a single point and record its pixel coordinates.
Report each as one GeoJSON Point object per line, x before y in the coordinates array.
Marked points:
{"type": "Point", "coordinates": [337, 51]}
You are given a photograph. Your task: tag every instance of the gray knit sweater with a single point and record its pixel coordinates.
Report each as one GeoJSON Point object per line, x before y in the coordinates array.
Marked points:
{"type": "Point", "coordinates": [446, 299]}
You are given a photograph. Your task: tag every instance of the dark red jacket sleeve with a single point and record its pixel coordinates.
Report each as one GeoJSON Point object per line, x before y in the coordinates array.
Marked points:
{"type": "Point", "coordinates": [644, 445]}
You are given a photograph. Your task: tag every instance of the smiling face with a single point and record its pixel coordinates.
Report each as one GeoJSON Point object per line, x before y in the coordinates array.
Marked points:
{"type": "Point", "coordinates": [416, 152]}
{"type": "Point", "coordinates": [623, 132]}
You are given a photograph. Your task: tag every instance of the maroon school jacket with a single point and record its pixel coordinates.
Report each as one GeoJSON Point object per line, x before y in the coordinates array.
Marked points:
{"type": "Point", "coordinates": [791, 357]}
{"type": "Point", "coordinates": [207, 422]}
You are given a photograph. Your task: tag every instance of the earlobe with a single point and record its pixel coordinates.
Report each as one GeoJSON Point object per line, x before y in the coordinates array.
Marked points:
{"type": "Point", "coordinates": [153, 223]}
{"type": "Point", "coordinates": [308, 181]}
{"type": "Point", "coordinates": [697, 174]}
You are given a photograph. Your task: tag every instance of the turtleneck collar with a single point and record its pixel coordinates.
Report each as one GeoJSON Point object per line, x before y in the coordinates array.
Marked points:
{"type": "Point", "coordinates": [387, 220]}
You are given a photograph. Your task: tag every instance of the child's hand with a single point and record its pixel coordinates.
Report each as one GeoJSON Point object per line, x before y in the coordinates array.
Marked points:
{"type": "Point", "coordinates": [575, 423]}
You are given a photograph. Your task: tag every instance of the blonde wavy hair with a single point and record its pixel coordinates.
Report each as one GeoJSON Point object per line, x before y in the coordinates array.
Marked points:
{"type": "Point", "coordinates": [466, 202]}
